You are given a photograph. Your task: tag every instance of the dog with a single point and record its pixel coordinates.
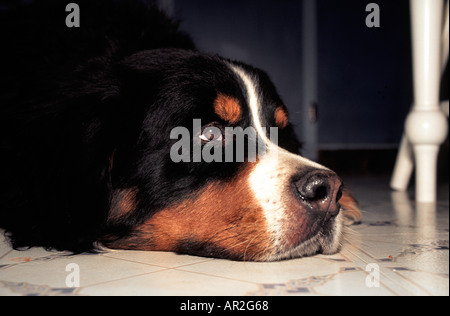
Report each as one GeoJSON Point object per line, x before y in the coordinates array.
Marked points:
{"type": "Point", "coordinates": [88, 116]}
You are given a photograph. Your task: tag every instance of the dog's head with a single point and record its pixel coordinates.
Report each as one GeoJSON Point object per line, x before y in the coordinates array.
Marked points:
{"type": "Point", "coordinates": [214, 170]}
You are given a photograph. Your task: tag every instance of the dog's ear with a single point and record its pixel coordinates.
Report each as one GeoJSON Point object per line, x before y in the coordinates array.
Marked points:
{"type": "Point", "coordinates": [350, 208]}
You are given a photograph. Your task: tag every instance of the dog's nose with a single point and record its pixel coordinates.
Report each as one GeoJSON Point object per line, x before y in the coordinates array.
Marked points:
{"type": "Point", "coordinates": [321, 190]}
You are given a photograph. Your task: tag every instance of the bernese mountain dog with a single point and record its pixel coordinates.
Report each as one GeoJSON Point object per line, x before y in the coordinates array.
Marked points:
{"type": "Point", "coordinates": [91, 154]}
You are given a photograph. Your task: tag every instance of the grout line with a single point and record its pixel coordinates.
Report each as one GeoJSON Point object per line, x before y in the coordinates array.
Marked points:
{"type": "Point", "coordinates": [160, 266]}
{"type": "Point", "coordinates": [5, 254]}
{"type": "Point", "coordinates": [217, 276]}
{"type": "Point", "coordinates": [421, 288]}
{"type": "Point", "coordinates": [124, 278]}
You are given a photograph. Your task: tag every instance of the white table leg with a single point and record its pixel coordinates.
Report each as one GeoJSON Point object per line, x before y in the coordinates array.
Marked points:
{"type": "Point", "coordinates": [426, 125]}
{"type": "Point", "coordinates": [404, 166]}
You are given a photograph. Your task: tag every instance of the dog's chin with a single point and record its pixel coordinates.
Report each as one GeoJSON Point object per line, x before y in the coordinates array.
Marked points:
{"type": "Point", "coordinates": [327, 241]}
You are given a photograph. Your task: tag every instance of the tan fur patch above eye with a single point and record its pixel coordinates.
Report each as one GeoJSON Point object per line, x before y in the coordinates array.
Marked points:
{"type": "Point", "coordinates": [281, 118]}
{"type": "Point", "coordinates": [227, 108]}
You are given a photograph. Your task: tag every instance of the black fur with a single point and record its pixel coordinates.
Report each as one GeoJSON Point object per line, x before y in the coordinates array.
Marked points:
{"type": "Point", "coordinates": [88, 111]}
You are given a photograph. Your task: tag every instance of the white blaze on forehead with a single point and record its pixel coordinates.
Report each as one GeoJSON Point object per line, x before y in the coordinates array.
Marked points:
{"type": "Point", "coordinates": [252, 99]}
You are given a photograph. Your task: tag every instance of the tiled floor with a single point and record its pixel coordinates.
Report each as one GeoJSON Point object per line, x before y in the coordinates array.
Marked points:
{"type": "Point", "coordinates": [400, 248]}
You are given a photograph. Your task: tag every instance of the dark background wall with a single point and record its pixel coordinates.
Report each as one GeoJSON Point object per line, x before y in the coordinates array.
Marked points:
{"type": "Point", "coordinates": [364, 72]}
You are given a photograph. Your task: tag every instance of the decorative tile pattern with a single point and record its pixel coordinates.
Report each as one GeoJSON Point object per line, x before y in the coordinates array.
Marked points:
{"type": "Point", "coordinates": [301, 286]}
{"type": "Point", "coordinates": [26, 289]}
{"type": "Point", "coordinates": [400, 248]}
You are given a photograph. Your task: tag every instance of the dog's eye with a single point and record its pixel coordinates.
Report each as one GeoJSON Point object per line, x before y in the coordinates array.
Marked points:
{"type": "Point", "coordinates": [211, 133]}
